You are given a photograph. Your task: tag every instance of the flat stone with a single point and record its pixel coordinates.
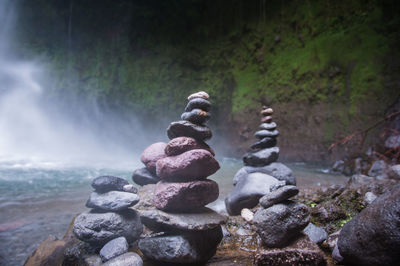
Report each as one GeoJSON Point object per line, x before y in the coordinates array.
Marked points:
{"type": "Point", "coordinates": [267, 111]}
{"type": "Point", "coordinates": [277, 170]}
{"type": "Point", "coordinates": [278, 195]}
{"type": "Point", "coordinates": [143, 177]}
{"type": "Point", "coordinates": [201, 94]}
{"type": "Point", "coordinates": [203, 219]}
{"type": "Point", "coordinates": [266, 119]}
{"type": "Point", "coordinates": [97, 228]}
{"type": "Point", "coordinates": [268, 126]}
{"type": "Point", "coordinates": [281, 223]}
{"type": "Point", "coordinates": [266, 133]}
{"type": "Point", "coordinates": [112, 200]}
{"type": "Point", "coordinates": [108, 183]}
{"type": "Point", "coordinates": [180, 145]}
{"type": "Point", "coordinates": [127, 259]}
{"type": "Point", "coordinates": [249, 190]}
{"type": "Point", "coordinates": [114, 248]}
{"type": "Point", "coordinates": [316, 234]}
{"type": "Point", "coordinates": [263, 143]}
{"type": "Point", "coordinates": [189, 247]}
{"type": "Point", "coordinates": [188, 129]}
{"type": "Point", "coordinates": [152, 154]}
{"type": "Point", "coordinates": [191, 165]}
{"type": "Point", "coordinates": [198, 103]}
{"type": "Point", "coordinates": [262, 157]}
{"type": "Point", "coordinates": [130, 188]}
{"type": "Point", "coordinates": [196, 116]}
{"type": "Point", "coordinates": [185, 196]}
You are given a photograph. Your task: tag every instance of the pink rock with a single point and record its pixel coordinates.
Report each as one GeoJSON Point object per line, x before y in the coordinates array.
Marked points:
{"type": "Point", "coordinates": [191, 165]}
{"type": "Point", "coordinates": [184, 196]}
{"type": "Point", "coordinates": [182, 144]}
{"type": "Point", "coordinates": [266, 119]}
{"type": "Point", "coordinates": [152, 154]}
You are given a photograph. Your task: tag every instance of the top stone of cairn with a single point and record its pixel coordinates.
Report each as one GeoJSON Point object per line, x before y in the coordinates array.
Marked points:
{"type": "Point", "coordinates": [200, 94]}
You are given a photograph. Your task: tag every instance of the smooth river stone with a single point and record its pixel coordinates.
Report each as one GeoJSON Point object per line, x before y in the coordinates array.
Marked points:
{"type": "Point", "coordinates": [108, 183]}
{"type": "Point", "coordinates": [152, 154]}
{"type": "Point", "coordinates": [126, 259]}
{"type": "Point", "coordinates": [112, 200]}
{"type": "Point", "coordinates": [185, 196]}
{"type": "Point", "coordinates": [268, 126]}
{"type": "Point", "coordinates": [196, 116]}
{"type": "Point", "coordinates": [266, 142]}
{"type": "Point", "coordinates": [182, 144]}
{"type": "Point", "coordinates": [266, 119]}
{"type": "Point", "coordinates": [278, 195]}
{"type": "Point", "coordinates": [267, 111]}
{"type": "Point", "coordinates": [198, 103]}
{"type": "Point", "coordinates": [201, 94]}
{"type": "Point", "coordinates": [190, 165]}
{"type": "Point", "coordinates": [277, 170]}
{"type": "Point", "coordinates": [266, 133]}
{"type": "Point", "coordinates": [188, 129]}
{"type": "Point", "coordinates": [114, 248]}
{"type": "Point", "coordinates": [261, 157]}
{"type": "Point", "coordinates": [143, 176]}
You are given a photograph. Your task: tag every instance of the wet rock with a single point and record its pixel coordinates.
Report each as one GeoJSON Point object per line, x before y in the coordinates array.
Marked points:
{"type": "Point", "coordinates": [114, 248]}
{"type": "Point", "coordinates": [130, 188]}
{"type": "Point", "coordinates": [378, 170]}
{"type": "Point", "coordinates": [281, 223]}
{"type": "Point", "coordinates": [185, 196]}
{"type": "Point", "coordinates": [143, 177]}
{"type": "Point", "coordinates": [98, 228]}
{"type": "Point", "coordinates": [262, 157]}
{"type": "Point", "coordinates": [278, 195]}
{"type": "Point", "coordinates": [201, 94]}
{"type": "Point", "coordinates": [50, 251]}
{"type": "Point", "coordinates": [248, 192]}
{"type": "Point", "coordinates": [315, 233]}
{"type": "Point", "coordinates": [196, 116]}
{"type": "Point", "coordinates": [394, 171]}
{"type": "Point", "coordinates": [112, 201]}
{"type": "Point", "coordinates": [152, 154]}
{"type": "Point", "coordinates": [127, 259]}
{"type": "Point", "coordinates": [203, 219]}
{"type": "Point", "coordinates": [188, 129]}
{"type": "Point", "coordinates": [182, 144]}
{"type": "Point", "coordinates": [268, 126]}
{"type": "Point", "coordinates": [369, 197]}
{"type": "Point", "coordinates": [190, 247]}
{"type": "Point", "coordinates": [373, 236]}
{"type": "Point", "coordinates": [266, 142]}
{"type": "Point", "coordinates": [191, 165]}
{"type": "Point", "coordinates": [266, 119]}
{"type": "Point", "coordinates": [108, 183]}
{"type": "Point", "coordinates": [198, 103]}
{"type": "Point", "coordinates": [392, 142]}
{"type": "Point", "coordinates": [266, 133]}
{"type": "Point", "coordinates": [277, 170]}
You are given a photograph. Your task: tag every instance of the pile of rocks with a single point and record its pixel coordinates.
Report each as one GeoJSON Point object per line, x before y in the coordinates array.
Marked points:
{"type": "Point", "coordinates": [185, 230]}
{"type": "Point", "coordinates": [261, 173]}
{"type": "Point", "coordinates": [112, 225]}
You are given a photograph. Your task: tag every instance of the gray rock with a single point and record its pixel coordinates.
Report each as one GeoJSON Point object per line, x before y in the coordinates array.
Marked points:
{"type": "Point", "coordinates": [357, 180]}
{"type": "Point", "coordinates": [331, 240]}
{"type": "Point", "coordinates": [108, 183]}
{"type": "Point", "coordinates": [190, 247]}
{"type": "Point", "coordinates": [98, 228]}
{"type": "Point", "coordinates": [112, 200]}
{"type": "Point", "coordinates": [249, 190]}
{"type": "Point", "coordinates": [278, 195]}
{"type": "Point", "coordinates": [392, 142]}
{"type": "Point", "coordinates": [143, 177]}
{"type": "Point", "coordinates": [198, 103]}
{"type": "Point", "coordinates": [268, 126]}
{"type": "Point", "coordinates": [338, 166]}
{"type": "Point", "coordinates": [277, 170]}
{"type": "Point", "coordinates": [93, 260]}
{"type": "Point", "coordinates": [281, 223]}
{"type": "Point", "coordinates": [196, 116]}
{"type": "Point", "coordinates": [262, 157]}
{"type": "Point", "coordinates": [266, 142]}
{"type": "Point", "coordinates": [336, 255]}
{"type": "Point", "coordinates": [127, 259]}
{"type": "Point", "coordinates": [266, 133]}
{"type": "Point", "coordinates": [394, 171]}
{"type": "Point", "coordinates": [114, 248]}
{"type": "Point", "coordinates": [316, 234]}
{"type": "Point", "coordinates": [369, 197]}
{"type": "Point", "coordinates": [373, 236]}
{"type": "Point", "coordinates": [378, 170]}
{"type": "Point", "coordinates": [188, 129]}
{"type": "Point", "coordinates": [130, 188]}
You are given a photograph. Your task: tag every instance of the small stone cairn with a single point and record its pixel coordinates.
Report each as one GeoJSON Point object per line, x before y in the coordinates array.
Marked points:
{"type": "Point", "coordinates": [111, 225]}
{"type": "Point", "coordinates": [185, 231]}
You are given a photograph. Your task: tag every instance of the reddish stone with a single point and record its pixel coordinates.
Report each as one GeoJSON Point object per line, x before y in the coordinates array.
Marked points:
{"type": "Point", "coordinates": [191, 165]}
{"type": "Point", "coordinates": [184, 196]}
{"type": "Point", "coordinates": [152, 154]}
{"type": "Point", "coordinates": [182, 144]}
{"type": "Point", "coordinates": [266, 119]}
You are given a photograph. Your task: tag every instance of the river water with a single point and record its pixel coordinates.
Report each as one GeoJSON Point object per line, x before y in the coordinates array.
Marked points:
{"type": "Point", "coordinates": [38, 199]}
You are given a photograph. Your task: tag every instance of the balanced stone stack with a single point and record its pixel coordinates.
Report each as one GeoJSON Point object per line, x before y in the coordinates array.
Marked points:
{"type": "Point", "coordinates": [186, 231]}
{"type": "Point", "coordinates": [261, 173]}
{"type": "Point", "coordinates": [112, 225]}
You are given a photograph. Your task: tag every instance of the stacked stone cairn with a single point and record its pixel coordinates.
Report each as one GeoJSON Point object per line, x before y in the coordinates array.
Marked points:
{"type": "Point", "coordinates": [111, 225]}
{"type": "Point", "coordinates": [184, 230]}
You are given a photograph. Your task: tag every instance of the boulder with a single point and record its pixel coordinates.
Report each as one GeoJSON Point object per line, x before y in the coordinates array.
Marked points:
{"type": "Point", "coordinates": [249, 190]}
{"type": "Point", "coordinates": [152, 154]}
{"type": "Point", "coordinates": [127, 259]}
{"type": "Point", "coordinates": [268, 126]}
{"type": "Point", "coordinates": [266, 133]}
{"type": "Point", "coordinates": [266, 142]}
{"type": "Point", "coordinates": [277, 170]}
{"type": "Point", "coordinates": [278, 195]}
{"type": "Point", "coordinates": [378, 170]}
{"type": "Point", "coordinates": [196, 116]}
{"type": "Point", "coordinates": [191, 165]}
{"type": "Point", "coordinates": [198, 103]}
{"type": "Point", "coordinates": [185, 196]}
{"type": "Point", "coordinates": [114, 248]}
{"type": "Point", "coordinates": [188, 129]}
{"type": "Point", "coordinates": [104, 184]}
{"type": "Point", "coordinates": [143, 177]}
{"type": "Point", "coordinates": [315, 234]}
{"type": "Point", "coordinates": [182, 144]}
{"type": "Point", "coordinates": [281, 223]}
{"type": "Point", "coordinates": [112, 200]}
{"type": "Point", "coordinates": [373, 236]}
{"type": "Point", "coordinates": [262, 157]}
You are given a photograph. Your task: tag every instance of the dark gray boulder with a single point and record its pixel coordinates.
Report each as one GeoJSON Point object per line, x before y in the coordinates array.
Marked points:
{"type": "Point", "coordinates": [281, 223]}
{"type": "Point", "coordinates": [277, 170]}
{"type": "Point", "coordinates": [127, 259]}
{"type": "Point", "coordinates": [196, 116]}
{"type": "Point", "coordinates": [105, 183]}
{"type": "Point", "coordinates": [198, 103]}
{"type": "Point", "coordinates": [373, 236]}
{"type": "Point", "coordinates": [249, 190]}
{"type": "Point", "coordinates": [188, 129]}
{"type": "Point", "coordinates": [266, 133]}
{"type": "Point", "coordinates": [114, 248]}
{"type": "Point", "coordinates": [262, 157]}
{"type": "Point", "coordinates": [263, 143]}
{"type": "Point", "coordinates": [143, 177]}
{"type": "Point", "coordinates": [315, 233]}
{"type": "Point", "coordinates": [188, 247]}
{"type": "Point", "coordinates": [112, 200]}
{"type": "Point", "coordinates": [278, 195]}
